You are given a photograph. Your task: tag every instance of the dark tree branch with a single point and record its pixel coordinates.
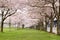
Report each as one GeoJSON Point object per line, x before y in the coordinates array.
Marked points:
{"type": "Point", "coordinates": [7, 12]}
{"type": "Point", "coordinates": [9, 15]}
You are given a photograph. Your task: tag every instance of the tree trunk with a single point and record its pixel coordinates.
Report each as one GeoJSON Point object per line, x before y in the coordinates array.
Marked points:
{"type": "Point", "coordinates": [58, 28]}
{"type": "Point", "coordinates": [45, 26]}
{"type": "Point", "coordinates": [23, 26]}
{"type": "Point", "coordinates": [51, 23]}
{"type": "Point", "coordinates": [45, 23]}
{"type": "Point", "coordinates": [38, 27]}
{"type": "Point", "coordinates": [51, 27]}
{"type": "Point", "coordinates": [2, 23]}
{"type": "Point", "coordinates": [58, 24]}
{"type": "Point", "coordinates": [9, 26]}
{"type": "Point", "coordinates": [42, 27]}
{"type": "Point", "coordinates": [18, 26]}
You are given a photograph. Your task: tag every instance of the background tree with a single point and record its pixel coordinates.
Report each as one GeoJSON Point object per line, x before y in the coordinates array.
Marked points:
{"type": "Point", "coordinates": [55, 7]}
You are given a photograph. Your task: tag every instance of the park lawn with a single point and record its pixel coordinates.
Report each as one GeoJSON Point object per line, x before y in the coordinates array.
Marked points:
{"type": "Point", "coordinates": [27, 34]}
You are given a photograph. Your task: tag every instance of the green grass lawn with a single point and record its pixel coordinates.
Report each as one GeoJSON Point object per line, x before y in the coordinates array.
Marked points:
{"type": "Point", "coordinates": [27, 34]}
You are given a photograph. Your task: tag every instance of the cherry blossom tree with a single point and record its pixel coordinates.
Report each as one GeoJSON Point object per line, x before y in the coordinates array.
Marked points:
{"type": "Point", "coordinates": [7, 10]}
{"type": "Point", "coordinates": [55, 7]}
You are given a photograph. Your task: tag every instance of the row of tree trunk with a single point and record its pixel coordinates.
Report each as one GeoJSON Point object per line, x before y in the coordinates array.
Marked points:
{"type": "Point", "coordinates": [41, 26]}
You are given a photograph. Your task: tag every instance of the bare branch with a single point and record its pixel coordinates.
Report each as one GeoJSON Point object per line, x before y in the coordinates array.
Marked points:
{"type": "Point", "coordinates": [9, 15]}
{"type": "Point", "coordinates": [7, 12]}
